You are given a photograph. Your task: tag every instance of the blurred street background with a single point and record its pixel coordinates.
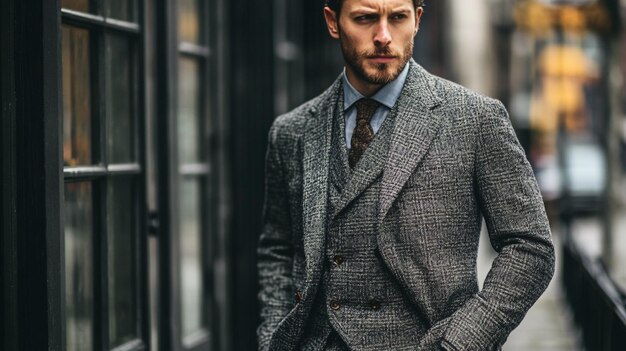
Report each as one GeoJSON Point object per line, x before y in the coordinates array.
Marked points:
{"type": "Point", "coordinates": [133, 138]}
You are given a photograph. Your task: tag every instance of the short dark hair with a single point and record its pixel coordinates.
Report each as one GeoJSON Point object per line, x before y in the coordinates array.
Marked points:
{"type": "Point", "coordinates": [335, 5]}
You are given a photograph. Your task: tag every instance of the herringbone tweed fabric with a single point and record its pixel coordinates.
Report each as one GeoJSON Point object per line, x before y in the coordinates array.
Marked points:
{"type": "Point", "coordinates": [453, 159]}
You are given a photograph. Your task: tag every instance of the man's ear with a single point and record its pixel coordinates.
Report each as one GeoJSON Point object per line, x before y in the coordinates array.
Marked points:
{"type": "Point", "coordinates": [418, 15]}
{"type": "Point", "coordinates": [331, 22]}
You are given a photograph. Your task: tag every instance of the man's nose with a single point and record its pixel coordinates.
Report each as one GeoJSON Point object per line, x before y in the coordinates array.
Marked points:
{"type": "Point", "coordinates": [382, 36]}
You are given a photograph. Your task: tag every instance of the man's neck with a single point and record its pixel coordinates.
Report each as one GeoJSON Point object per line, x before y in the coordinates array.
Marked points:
{"type": "Point", "coordinates": [366, 89]}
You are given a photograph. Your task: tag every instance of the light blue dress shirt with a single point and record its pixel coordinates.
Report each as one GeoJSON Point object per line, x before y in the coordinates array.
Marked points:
{"type": "Point", "coordinates": [386, 96]}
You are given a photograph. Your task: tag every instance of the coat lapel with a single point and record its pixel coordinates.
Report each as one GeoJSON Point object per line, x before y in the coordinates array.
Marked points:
{"type": "Point", "coordinates": [339, 168]}
{"type": "Point", "coordinates": [414, 130]}
{"type": "Point", "coordinates": [315, 167]}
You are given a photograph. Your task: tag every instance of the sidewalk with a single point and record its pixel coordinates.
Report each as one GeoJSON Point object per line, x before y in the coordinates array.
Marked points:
{"type": "Point", "coordinates": [548, 326]}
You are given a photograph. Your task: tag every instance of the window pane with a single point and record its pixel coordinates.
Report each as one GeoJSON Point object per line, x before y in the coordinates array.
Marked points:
{"type": "Point", "coordinates": [189, 127]}
{"type": "Point", "coordinates": [188, 21]}
{"type": "Point", "coordinates": [122, 232]}
{"type": "Point", "coordinates": [76, 97]}
{"type": "Point", "coordinates": [122, 9]}
{"type": "Point", "coordinates": [79, 270]}
{"type": "Point", "coordinates": [77, 5]}
{"type": "Point", "coordinates": [119, 90]}
{"type": "Point", "coordinates": [191, 255]}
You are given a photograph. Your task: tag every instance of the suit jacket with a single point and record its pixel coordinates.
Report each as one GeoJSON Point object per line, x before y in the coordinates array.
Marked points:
{"type": "Point", "coordinates": [453, 160]}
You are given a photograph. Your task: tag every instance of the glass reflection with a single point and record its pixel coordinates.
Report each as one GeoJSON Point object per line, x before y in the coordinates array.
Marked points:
{"type": "Point", "coordinates": [188, 21]}
{"type": "Point", "coordinates": [121, 226]}
{"type": "Point", "coordinates": [189, 127]}
{"type": "Point", "coordinates": [119, 90]}
{"type": "Point", "coordinates": [79, 270]}
{"type": "Point", "coordinates": [191, 255]}
{"type": "Point", "coordinates": [76, 96]}
{"type": "Point", "coordinates": [76, 5]}
{"type": "Point", "coordinates": [121, 9]}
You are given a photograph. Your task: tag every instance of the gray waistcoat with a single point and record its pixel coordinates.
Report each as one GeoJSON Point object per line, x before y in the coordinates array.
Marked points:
{"type": "Point", "coordinates": [356, 285]}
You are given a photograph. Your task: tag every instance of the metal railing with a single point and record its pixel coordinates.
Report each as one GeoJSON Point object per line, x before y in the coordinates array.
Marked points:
{"type": "Point", "coordinates": [599, 306]}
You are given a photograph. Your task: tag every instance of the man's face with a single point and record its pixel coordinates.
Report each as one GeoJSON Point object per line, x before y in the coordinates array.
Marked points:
{"type": "Point", "coordinates": [376, 38]}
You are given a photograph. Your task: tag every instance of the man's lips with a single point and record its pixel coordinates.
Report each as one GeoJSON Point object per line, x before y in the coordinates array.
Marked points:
{"type": "Point", "coordinates": [381, 59]}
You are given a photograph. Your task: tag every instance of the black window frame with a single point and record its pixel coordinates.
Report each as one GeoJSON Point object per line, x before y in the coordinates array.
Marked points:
{"type": "Point", "coordinates": [208, 170]}
{"type": "Point", "coordinates": [98, 172]}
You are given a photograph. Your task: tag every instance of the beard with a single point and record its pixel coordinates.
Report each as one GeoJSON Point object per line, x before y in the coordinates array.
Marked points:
{"type": "Point", "coordinates": [383, 72]}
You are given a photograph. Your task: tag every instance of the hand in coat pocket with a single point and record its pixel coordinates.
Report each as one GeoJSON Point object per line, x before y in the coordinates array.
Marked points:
{"type": "Point", "coordinates": [431, 341]}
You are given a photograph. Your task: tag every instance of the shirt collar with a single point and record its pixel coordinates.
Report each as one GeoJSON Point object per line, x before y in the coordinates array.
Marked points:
{"type": "Point", "coordinates": [387, 95]}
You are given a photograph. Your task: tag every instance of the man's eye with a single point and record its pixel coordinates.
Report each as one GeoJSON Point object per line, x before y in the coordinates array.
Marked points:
{"type": "Point", "coordinates": [364, 18]}
{"type": "Point", "coordinates": [399, 16]}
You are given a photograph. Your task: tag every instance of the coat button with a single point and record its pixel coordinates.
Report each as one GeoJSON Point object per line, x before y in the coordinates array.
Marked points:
{"type": "Point", "coordinates": [299, 296]}
{"type": "Point", "coordinates": [374, 304]}
{"type": "Point", "coordinates": [338, 259]}
{"type": "Point", "coordinates": [334, 304]}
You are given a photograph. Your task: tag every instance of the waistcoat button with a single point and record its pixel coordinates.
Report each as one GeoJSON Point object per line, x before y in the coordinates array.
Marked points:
{"type": "Point", "coordinates": [334, 304]}
{"type": "Point", "coordinates": [374, 304]}
{"type": "Point", "coordinates": [338, 259]}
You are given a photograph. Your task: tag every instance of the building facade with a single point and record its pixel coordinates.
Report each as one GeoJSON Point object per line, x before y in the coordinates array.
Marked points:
{"type": "Point", "coordinates": [133, 137]}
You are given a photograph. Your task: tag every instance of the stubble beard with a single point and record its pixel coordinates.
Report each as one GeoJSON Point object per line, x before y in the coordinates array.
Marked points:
{"type": "Point", "coordinates": [382, 74]}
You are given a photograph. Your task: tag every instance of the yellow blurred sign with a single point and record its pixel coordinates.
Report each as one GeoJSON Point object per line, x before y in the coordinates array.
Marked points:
{"type": "Point", "coordinates": [540, 19]}
{"type": "Point", "coordinates": [564, 72]}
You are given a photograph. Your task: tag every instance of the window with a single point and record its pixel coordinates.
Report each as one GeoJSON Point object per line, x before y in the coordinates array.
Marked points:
{"type": "Point", "coordinates": [103, 175]}
{"type": "Point", "coordinates": [193, 206]}
{"type": "Point", "coordinates": [109, 208]}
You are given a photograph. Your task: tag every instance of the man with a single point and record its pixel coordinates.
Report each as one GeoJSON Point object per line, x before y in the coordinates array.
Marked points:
{"type": "Point", "coordinates": [375, 194]}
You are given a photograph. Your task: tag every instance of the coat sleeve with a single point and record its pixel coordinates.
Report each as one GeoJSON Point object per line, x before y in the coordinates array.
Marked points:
{"type": "Point", "coordinates": [275, 250]}
{"type": "Point", "coordinates": [510, 201]}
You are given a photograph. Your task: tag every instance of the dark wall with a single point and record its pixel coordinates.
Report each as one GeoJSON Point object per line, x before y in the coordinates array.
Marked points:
{"type": "Point", "coordinates": [7, 159]}
{"type": "Point", "coordinates": [322, 59]}
{"type": "Point", "coordinates": [430, 49]}
{"type": "Point", "coordinates": [31, 172]}
{"type": "Point", "coordinates": [251, 114]}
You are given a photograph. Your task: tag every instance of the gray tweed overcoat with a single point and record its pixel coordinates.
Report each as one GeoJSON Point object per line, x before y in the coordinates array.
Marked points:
{"type": "Point", "coordinates": [453, 160]}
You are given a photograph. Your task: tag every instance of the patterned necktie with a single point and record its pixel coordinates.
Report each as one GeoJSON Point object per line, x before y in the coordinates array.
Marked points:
{"type": "Point", "coordinates": [363, 133]}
